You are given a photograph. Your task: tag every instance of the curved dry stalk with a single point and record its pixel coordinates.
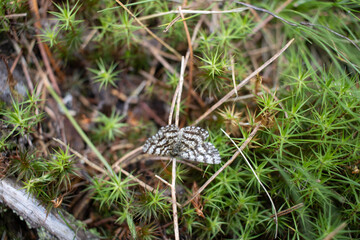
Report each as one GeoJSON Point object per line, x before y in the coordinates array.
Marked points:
{"type": "Point", "coordinates": [258, 179]}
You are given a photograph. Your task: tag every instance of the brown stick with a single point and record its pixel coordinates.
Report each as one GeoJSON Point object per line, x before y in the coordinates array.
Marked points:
{"type": "Point", "coordinates": [32, 211]}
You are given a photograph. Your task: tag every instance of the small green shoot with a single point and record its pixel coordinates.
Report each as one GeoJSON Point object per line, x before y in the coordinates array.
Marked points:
{"type": "Point", "coordinates": [109, 127]}
{"type": "Point", "coordinates": [103, 75]}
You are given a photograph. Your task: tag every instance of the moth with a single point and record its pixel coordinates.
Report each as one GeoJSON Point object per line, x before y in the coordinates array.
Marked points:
{"type": "Point", "coordinates": [187, 143]}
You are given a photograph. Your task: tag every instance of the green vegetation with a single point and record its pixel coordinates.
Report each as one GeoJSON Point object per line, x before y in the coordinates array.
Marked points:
{"type": "Point", "coordinates": [306, 152]}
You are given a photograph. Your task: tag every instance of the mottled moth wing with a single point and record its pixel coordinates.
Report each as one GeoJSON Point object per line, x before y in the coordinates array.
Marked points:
{"type": "Point", "coordinates": [187, 143]}
{"type": "Point", "coordinates": [162, 142]}
{"type": "Point", "coordinates": [192, 130]}
{"type": "Point", "coordinates": [193, 147]}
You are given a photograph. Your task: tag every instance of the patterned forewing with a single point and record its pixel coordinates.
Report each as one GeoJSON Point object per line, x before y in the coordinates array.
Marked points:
{"type": "Point", "coordinates": [162, 142]}
{"type": "Point", "coordinates": [196, 131]}
{"type": "Point", "coordinates": [190, 140]}
{"type": "Point", "coordinates": [205, 153]}
{"type": "Point", "coordinates": [187, 143]}
{"type": "Point", "coordinates": [193, 147]}
{"type": "Point", "coordinates": [213, 155]}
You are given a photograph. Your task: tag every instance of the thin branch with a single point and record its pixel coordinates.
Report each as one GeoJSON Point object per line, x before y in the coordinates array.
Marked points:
{"type": "Point", "coordinates": [192, 12]}
{"type": "Point", "coordinates": [168, 66]}
{"type": "Point", "coordinates": [11, 16]}
{"type": "Point", "coordinates": [268, 12]}
{"type": "Point", "coordinates": [171, 23]}
{"type": "Point", "coordinates": [24, 66]}
{"type": "Point", "coordinates": [332, 31]}
{"type": "Point", "coordinates": [163, 180]}
{"type": "Point", "coordinates": [258, 179]}
{"type": "Point", "coordinates": [289, 210]}
{"type": "Point", "coordinates": [252, 134]}
{"type": "Point", "coordinates": [35, 214]}
{"type": "Point", "coordinates": [158, 57]}
{"type": "Point", "coordinates": [152, 114]}
{"type": "Point", "coordinates": [243, 83]}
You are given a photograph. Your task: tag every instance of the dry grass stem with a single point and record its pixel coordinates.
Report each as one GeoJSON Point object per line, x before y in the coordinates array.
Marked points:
{"type": "Point", "coordinates": [163, 180]}
{"type": "Point", "coordinates": [12, 16]}
{"type": "Point", "coordinates": [258, 179]}
{"type": "Point", "coordinates": [289, 210]}
{"type": "Point", "coordinates": [158, 57]}
{"type": "Point", "coordinates": [336, 231]}
{"type": "Point", "coordinates": [243, 83]}
{"type": "Point", "coordinates": [177, 96]}
{"type": "Point", "coordinates": [173, 104]}
{"type": "Point", "coordinates": [192, 12]}
{"type": "Point", "coordinates": [233, 74]}
{"type": "Point", "coordinates": [81, 157]}
{"type": "Point", "coordinates": [244, 97]}
{"type": "Point", "coordinates": [173, 197]}
{"type": "Point", "coordinates": [171, 23]}
{"type": "Point", "coordinates": [127, 156]}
